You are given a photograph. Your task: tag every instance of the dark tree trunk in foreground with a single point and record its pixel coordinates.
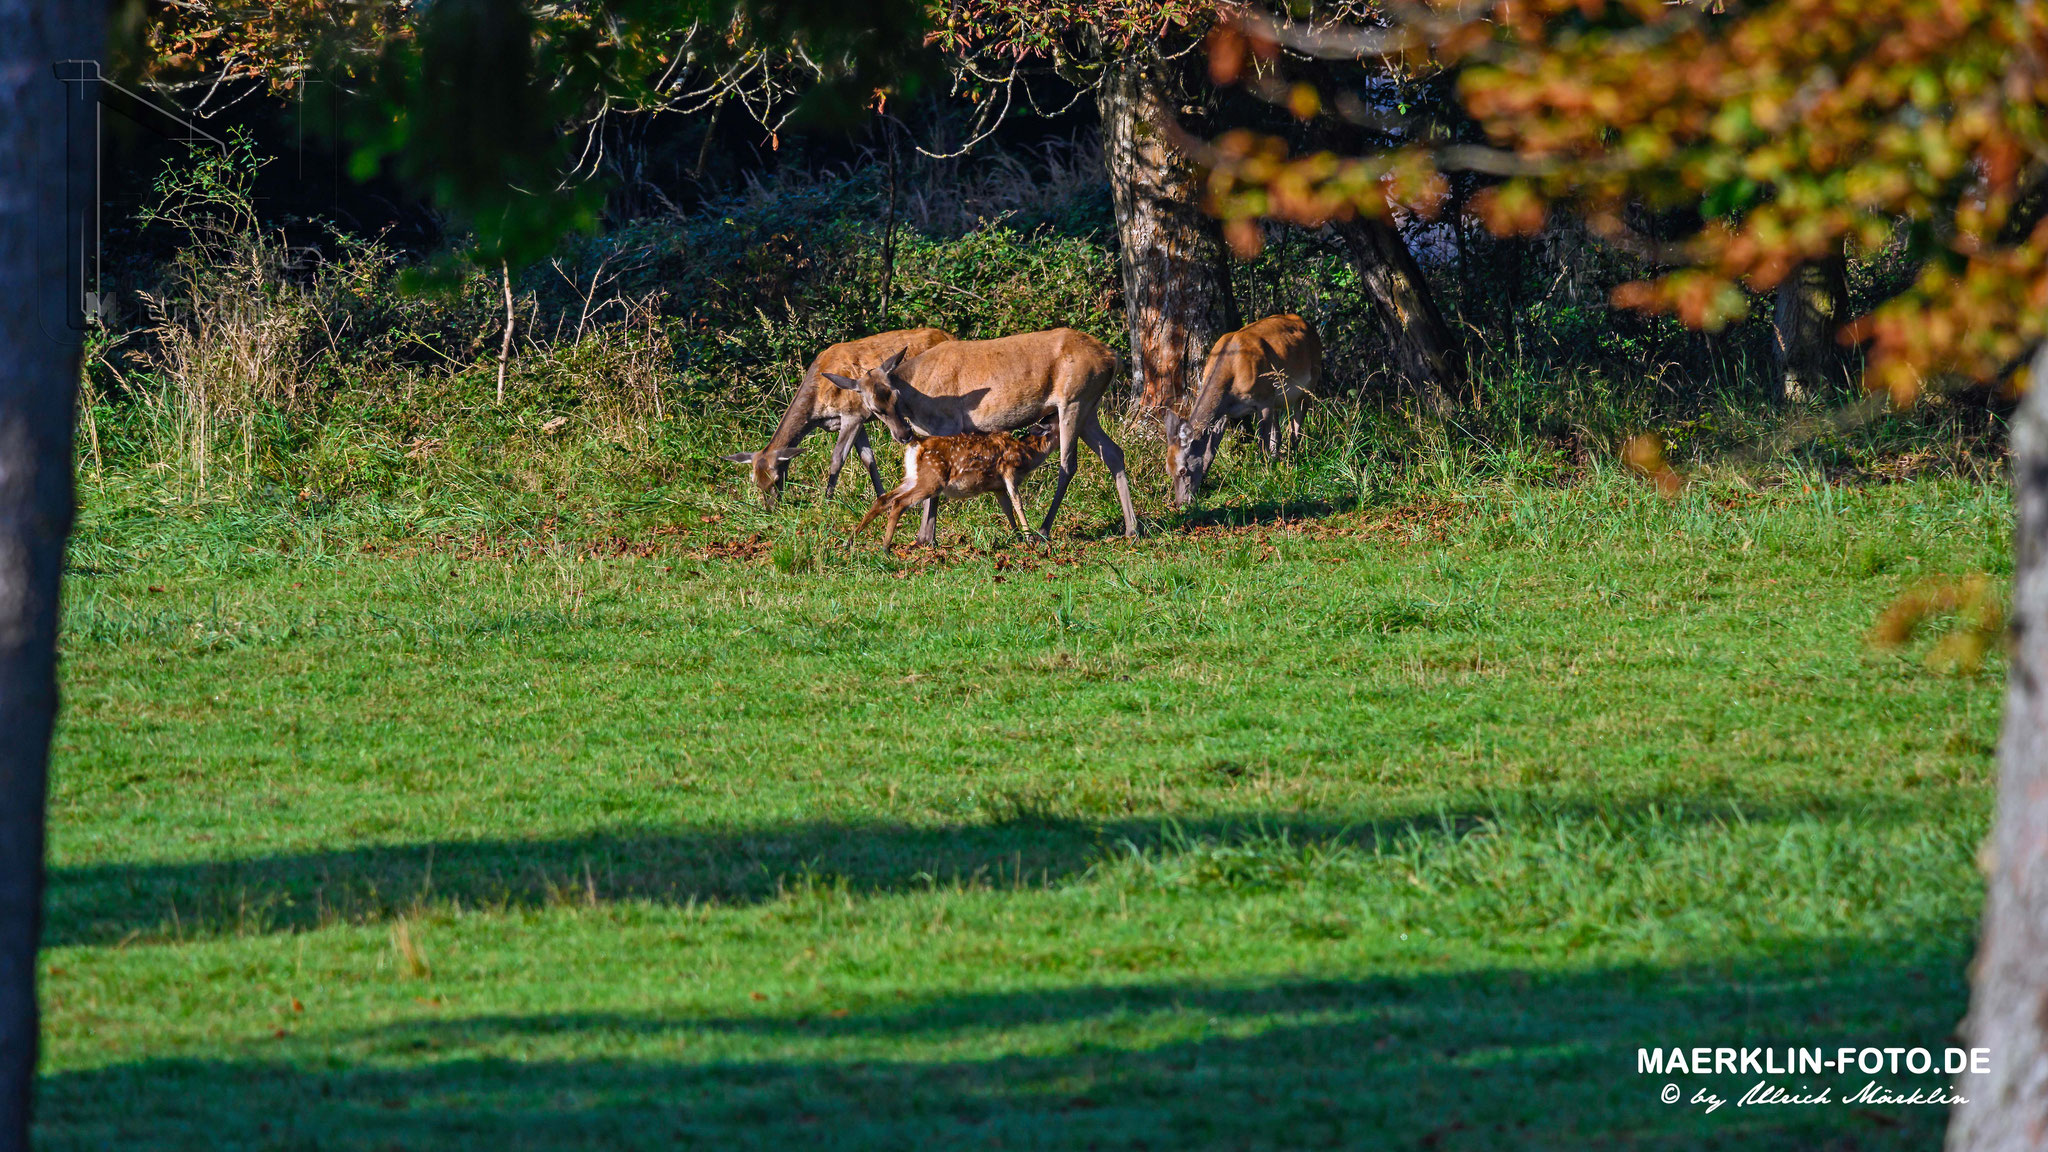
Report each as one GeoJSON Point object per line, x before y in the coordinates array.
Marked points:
{"type": "Point", "coordinates": [1426, 351]}
{"type": "Point", "coordinates": [2008, 1107]}
{"type": "Point", "coordinates": [1812, 305]}
{"type": "Point", "coordinates": [1176, 280]}
{"type": "Point", "coordinates": [38, 370]}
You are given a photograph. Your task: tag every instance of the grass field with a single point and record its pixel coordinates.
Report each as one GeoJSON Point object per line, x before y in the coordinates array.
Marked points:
{"type": "Point", "coordinates": [1399, 826]}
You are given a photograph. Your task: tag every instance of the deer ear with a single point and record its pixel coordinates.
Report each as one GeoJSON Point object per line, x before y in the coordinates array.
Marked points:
{"type": "Point", "coordinates": [889, 365]}
{"type": "Point", "coordinates": [739, 457]}
{"type": "Point", "coordinates": [839, 381]}
{"type": "Point", "coordinates": [786, 453]}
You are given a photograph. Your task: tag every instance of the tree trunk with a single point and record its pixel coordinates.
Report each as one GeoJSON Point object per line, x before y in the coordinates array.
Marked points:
{"type": "Point", "coordinates": [1426, 351]}
{"type": "Point", "coordinates": [1176, 280]}
{"type": "Point", "coordinates": [2008, 1106]}
{"type": "Point", "coordinates": [1809, 313]}
{"type": "Point", "coordinates": [38, 371]}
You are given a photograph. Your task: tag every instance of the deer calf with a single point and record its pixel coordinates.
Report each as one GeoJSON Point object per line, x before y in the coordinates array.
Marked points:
{"type": "Point", "coordinates": [961, 466]}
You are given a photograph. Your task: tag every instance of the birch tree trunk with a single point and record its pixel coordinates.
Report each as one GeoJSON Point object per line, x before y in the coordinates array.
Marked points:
{"type": "Point", "coordinates": [1427, 352]}
{"type": "Point", "coordinates": [1810, 310]}
{"type": "Point", "coordinates": [38, 371]}
{"type": "Point", "coordinates": [1176, 279]}
{"type": "Point", "coordinates": [2008, 1106]}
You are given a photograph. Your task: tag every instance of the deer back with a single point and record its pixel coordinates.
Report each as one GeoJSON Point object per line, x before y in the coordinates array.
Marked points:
{"type": "Point", "coordinates": [1028, 452]}
{"type": "Point", "coordinates": [996, 385]}
{"type": "Point", "coordinates": [1255, 368]}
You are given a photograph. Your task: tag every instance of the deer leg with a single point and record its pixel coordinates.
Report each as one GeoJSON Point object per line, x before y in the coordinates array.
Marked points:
{"type": "Point", "coordinates": [1269, 434]}
{"type": "Point", "coordinates": [1013, 503]}
{"type": "Point", "coordinates": [1113, 459]}
{"type": "Point", "coordinates": [1070, 459]}
{"type": "Point", "coordinates": [839, 450]}
{"type": "Point", "coordinates": [893, 502]}
{"type": "Point", "coordinates": [889, 533]}
{"type": "Point", "coordinates": [928, 529]}
{"type": "Point", "coordinates": [781, 464]}
{"type": "Point", "coordinates": [867, 456]}
{"type": "Point", "coordinates": [881, 504]}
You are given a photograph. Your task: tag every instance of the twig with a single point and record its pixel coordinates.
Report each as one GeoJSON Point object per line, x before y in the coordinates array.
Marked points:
{"type": "Point", "coordinates": [505, 345]}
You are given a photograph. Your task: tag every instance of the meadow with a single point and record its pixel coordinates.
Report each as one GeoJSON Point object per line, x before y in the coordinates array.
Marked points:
{"type": "Point", "coordinates": [454, 754]}
{"type": "Point", "coordinates": [1356, 808]}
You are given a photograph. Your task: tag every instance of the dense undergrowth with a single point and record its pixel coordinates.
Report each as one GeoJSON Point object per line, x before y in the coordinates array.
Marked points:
{"type": "Point", "coordinates": [316, 392]}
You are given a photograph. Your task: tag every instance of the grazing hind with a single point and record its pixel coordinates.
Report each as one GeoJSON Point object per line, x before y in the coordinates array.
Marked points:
{"type": "Point", "coordinates": [961, 466]}
{"type": "Point", "coordinates": [1264, 370]}
{"type": "Point", "coordinates": [820, 405]}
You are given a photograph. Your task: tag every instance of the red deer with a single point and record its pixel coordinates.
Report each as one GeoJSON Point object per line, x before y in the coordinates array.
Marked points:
{"type": "Point", "coordinates": [962, 466]}
{"type": "Point", "coordinates": [996, 386]}
{"type": "Point", "coordinates": [1260, 371]}
{"type": "Point", "coordinates": [817, 405]}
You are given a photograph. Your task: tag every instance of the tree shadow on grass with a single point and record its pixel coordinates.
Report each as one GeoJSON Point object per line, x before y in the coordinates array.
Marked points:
{"type": "Point", "coordinates": [115, 903]}
{"type": "Point", "coordinates": [1487, 1060]}
{"type": "Point", "coordinates": [1261, 513]}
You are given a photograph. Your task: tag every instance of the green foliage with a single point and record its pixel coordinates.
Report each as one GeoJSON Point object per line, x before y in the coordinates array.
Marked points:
{"type": "Point", "coordinates": [996, 281]}
{"type": "Point", "coordinates": [469, 118]}
{"type": "Point", "coordinates": [470, 110]}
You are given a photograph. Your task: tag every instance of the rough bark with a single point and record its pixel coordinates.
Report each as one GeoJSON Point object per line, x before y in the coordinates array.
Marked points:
{"type": "Point", "coordinates": [38, 372]}
{"type": "Point", "coordinates": [1810, 311]}
{"type": "Point", "coordinates": [1176, 275]}
{"type": "Point", "coordinates": [2008, 1106]}
{"type": "Point", "coordinates": [1427, 353]}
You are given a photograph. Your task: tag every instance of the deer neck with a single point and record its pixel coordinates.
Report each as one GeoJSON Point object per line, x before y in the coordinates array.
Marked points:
{"type": "Point", "coordinates": [1217, 379]}
{"type": "Point", "coordinates": [926, 415]}
{"type": "Point", "coordinates": [804, 411]}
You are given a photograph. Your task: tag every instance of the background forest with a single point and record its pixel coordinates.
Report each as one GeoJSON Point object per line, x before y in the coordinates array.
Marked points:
{"type": "Point", "coordinates": [265, 338]}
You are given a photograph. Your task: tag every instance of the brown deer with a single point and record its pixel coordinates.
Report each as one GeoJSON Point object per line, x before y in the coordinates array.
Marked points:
{"type": "Point", "coordinates": [961, 466]}
{"type": "Point", "coordinates": [1261, 371]}
{"type": "Point", "coordinates": [817, 405]}
{"type": "Point", "coordinates": [998, 385]}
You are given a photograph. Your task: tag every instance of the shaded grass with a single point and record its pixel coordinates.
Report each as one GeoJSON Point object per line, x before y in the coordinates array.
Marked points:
{"type": "Point", "coordinates": [1469, 1060]}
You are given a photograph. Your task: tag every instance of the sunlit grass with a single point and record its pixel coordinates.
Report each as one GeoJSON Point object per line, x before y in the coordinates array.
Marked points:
{"type": "Point", "coordinates": [1354, 808]}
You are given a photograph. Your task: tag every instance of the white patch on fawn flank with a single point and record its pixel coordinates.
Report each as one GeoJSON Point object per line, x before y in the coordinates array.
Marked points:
{"type": "Point", "coordinates": [910, 455]}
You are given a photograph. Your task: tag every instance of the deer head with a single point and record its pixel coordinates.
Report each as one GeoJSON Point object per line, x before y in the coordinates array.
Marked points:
{"type": "Point", "coordinates": [768, 470]}
{"type": "Point", "coordinates": [878, 397]}
{"type": "Point", "coordinates": [1039, 440]}
{"type": "Point", "coordinates": [1188, 457]}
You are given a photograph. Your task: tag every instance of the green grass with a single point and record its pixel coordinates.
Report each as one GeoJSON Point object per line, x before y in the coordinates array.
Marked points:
{"type": "Point", "coordinates": [1403, 825]}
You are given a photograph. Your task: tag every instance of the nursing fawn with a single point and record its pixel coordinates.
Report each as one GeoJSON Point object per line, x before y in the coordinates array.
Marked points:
{"type": "Point", "coordinates": [961, 466]}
